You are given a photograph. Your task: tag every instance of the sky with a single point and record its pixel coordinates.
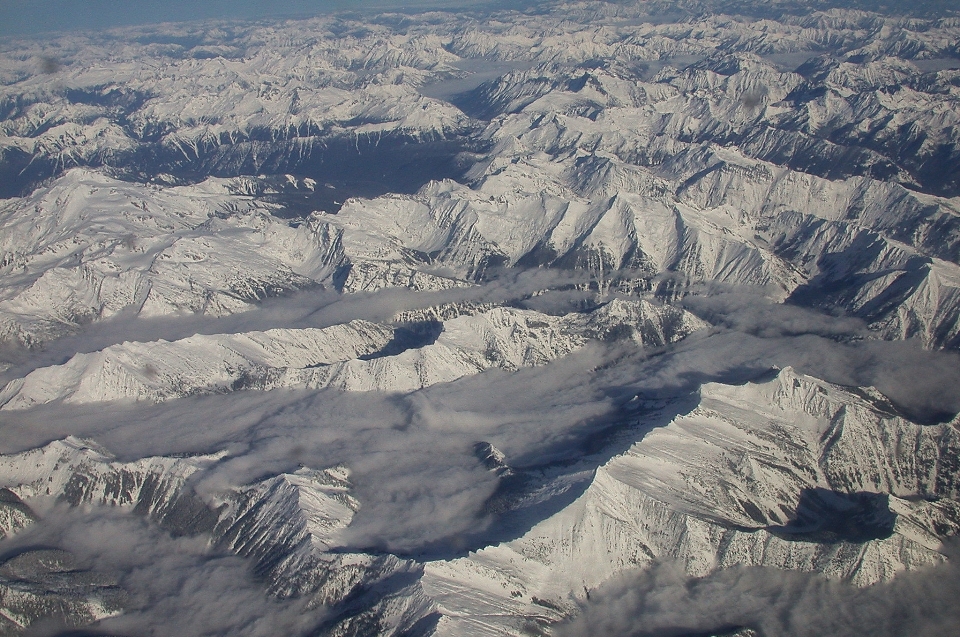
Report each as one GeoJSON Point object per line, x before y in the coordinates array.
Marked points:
{"type": "Point", "coordinates": [412, 459]}
{"type": "Point", "coordinates": [21, 17]}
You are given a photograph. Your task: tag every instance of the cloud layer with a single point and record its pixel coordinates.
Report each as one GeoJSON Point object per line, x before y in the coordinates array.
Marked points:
{"type": "Point", "coordinates": [662, 602]}
{"type": "Point", "coordinates": [176, 586]}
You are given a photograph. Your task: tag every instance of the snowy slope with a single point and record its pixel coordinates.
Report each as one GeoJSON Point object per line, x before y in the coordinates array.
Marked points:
{"type": "Point", "coordinates": [757, 474]}
{"type": "Point", "coordinates": [90, 247]}
{"type": "Point", "coordinates": [682, 152]}
{"type": "Point", "coordinates": [40, 583]}
{"type": "Point", "coordinates": [511, 186]}
{"type": "Point", "coordinates": [790, 472]}
{"type": "Point", "coordinates": [352, 356]}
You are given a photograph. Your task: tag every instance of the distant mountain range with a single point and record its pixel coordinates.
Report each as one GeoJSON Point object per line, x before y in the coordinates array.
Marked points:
{"type": "Point", "coordinates": [280, 211]}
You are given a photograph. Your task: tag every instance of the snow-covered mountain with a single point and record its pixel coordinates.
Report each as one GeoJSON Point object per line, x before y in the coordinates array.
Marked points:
{"type": "Point", "coordinates": [790, 472]}
{"type": "Point", "coordinates": [44, 584]}
{"type": "Point", "coordinates": [357, 356]}
{"type": "Point", "coordinates": [495, 238]}
{"type": "Point", "coordinates": [830, 183]}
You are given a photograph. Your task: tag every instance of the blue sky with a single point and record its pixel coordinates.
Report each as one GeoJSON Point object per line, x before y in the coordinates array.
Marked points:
{"type": "Point", "coordinates": [36, 16]}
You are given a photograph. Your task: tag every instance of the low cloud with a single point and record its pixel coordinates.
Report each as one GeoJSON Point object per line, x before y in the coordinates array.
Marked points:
{"type": "Point", "coordinates": [750, 310]}
{"type": "Point", "coordinates": [420, 487]}
{"type": "Point", "coordinates": [662, 602]}
{"type": "Point", "coordinates": [411, 455]}
{"type": "Point", "coordinates": [545, 290]}
{"type": "Point", "coordinates": [176, 586]}
{"type": "Point", "coordinates": [756, 332]}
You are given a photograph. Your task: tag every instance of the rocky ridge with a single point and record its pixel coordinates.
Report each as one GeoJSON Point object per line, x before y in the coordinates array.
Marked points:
{"type": "Point", "coordinates": [619, 157]}
{"type": "Point", "coordinates": [789, 472]}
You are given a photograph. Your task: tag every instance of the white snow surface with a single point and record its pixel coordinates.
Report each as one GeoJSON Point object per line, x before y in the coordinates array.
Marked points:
{"type": "Point", "coordinates": [337, 356]}
{"type": "Point", "coordinates": [627, 162]}
{"type": "Point", "coordinates": [709, 488]}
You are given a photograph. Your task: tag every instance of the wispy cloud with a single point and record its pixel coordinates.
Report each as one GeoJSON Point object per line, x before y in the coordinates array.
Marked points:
{"type": "Point", "coordinates": [176, 586]}
{"type": "Point", "coordinates": [310, 308]}
{"type": "Point", "coordinates": [663, 602]}
{"type": "Point", "coordinates": [419, 485]}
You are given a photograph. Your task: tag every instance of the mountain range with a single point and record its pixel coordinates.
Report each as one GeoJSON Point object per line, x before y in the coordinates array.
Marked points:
{"type": "Point", "coordinates": [441, 323]}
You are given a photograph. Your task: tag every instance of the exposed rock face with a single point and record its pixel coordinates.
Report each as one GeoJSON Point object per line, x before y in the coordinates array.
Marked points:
{"type": "Point", "coordinates": [790, 472]}
{"type": "Point", "coordinates": [14, 514]}
{"type": "Point", "coordinates": [356, 356]}
{"type": "Point", "coordinates": [42, 584]}
{"type": "Point", "coordinates": [343, 204]}
{"type": "Point", "coordinates": [833, 182]}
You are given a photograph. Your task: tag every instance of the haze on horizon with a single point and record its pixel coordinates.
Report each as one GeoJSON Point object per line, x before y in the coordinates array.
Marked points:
{"type": "Point", "coordinates": [586, 342]}
{"type": "Point", "coordinates": [26, 17]}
